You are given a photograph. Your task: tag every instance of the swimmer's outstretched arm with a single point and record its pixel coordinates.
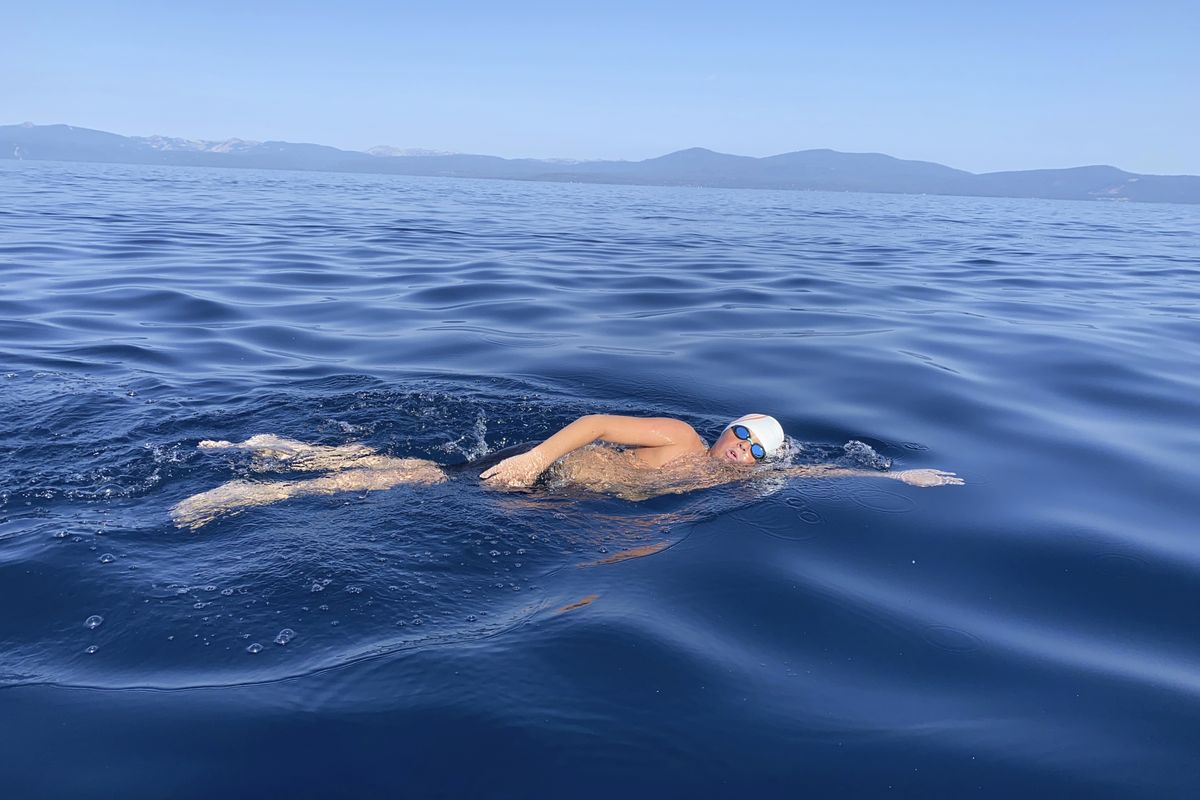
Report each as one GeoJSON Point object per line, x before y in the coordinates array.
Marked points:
{"type": "Point", "coordinates": [914, 477]}
{"type": "Point", "coordinates": [200, 509]}
{"type": "Point", "coordinates": [523, 470]}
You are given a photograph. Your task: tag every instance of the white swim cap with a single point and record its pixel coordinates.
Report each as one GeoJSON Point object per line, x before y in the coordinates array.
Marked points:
{"type": "Point", "coordinates": [766, 429]}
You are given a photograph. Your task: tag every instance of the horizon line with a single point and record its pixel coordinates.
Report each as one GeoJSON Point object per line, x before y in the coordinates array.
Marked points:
{"type": "Point", "coordinates": [435, 152]}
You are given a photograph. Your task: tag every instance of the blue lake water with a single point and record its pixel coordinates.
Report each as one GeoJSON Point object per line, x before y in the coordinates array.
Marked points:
{"type": "Point", "coordinates": [1032, 631]}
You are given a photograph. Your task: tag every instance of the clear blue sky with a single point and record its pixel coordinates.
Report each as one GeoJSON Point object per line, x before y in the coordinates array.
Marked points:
{"type": "Point", "coordinates": [979, 86]}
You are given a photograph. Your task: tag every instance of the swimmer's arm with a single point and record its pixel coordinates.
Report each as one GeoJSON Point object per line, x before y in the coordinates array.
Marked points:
{"type": "Point", "coordinates": [635, 431]}
{"type": "Point", "coordinates": [914, 477]}
{"type": "Point", "coordinates": [524, 469]}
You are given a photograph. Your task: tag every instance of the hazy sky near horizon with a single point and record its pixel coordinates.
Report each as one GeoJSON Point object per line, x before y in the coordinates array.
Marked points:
{"type": "Point", "coordinates": [990, 86]}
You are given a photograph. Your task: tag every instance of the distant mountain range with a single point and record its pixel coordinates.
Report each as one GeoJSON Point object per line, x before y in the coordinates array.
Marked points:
{"type": "Point", "coordinates": [827, 170]}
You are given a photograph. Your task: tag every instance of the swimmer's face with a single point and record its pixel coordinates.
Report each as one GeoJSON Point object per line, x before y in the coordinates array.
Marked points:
{"type": "Point", "coordinates": [729, 448]}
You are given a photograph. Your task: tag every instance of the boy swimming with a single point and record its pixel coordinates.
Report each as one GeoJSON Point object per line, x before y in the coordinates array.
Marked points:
{"type": "Point", "coordinates": [657, 455]}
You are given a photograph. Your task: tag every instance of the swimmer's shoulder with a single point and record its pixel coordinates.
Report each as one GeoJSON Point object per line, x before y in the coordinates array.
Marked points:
{"type": "Point", "coordinates": [696, 442]}
{"type": "Point", "coordinates": [681, 434]}
{"type": "Point", "coordinates": [684, 442]}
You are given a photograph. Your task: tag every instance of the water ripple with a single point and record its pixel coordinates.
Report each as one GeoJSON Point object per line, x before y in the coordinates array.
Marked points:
{"type": "Point", "coordinates": [1030, 632]}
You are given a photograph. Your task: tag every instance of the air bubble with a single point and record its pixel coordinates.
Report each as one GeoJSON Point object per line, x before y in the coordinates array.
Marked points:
{"type": "Point", "coordinates": [93, 622]}
{"type": "Point", "coordinates": [471, 617]}
{"type": "Point", "coordinates": [494, 553]}
{"type": "Point", "coordinates": [107, 558]}
{"type": "Point", "coordinates": [284, 636]}
{"type": "Point", "coordinates": [227, 592]}
{"type": "Point", "coordinates": [354, 589]}
{"type": "Point", "coordinates": [210, 588]}
{"type": "Point", "coordinates": [91, 648]}
{"type": "Point", "coordinates": [254, 648]}
{"type": "Point", "coordinates": [61, 535]}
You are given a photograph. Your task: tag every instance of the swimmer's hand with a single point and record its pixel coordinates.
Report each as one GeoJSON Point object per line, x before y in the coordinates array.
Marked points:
{"type": "Point", "coordinates": [928, 477]}
{"type": "Point", "coordinates": [516, 472]}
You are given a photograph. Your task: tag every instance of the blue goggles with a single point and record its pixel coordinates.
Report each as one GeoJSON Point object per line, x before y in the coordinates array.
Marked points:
{"type": "Point", "coordinates": [757, 450]}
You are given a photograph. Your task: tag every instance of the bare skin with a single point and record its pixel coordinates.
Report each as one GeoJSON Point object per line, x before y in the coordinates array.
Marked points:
{"type": "Point", "coordinates": [352, 468]}
{"type": "Point", "coordinates": [662, 456]}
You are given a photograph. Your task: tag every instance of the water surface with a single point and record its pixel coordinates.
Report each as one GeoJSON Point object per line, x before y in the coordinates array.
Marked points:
{"type": "Point", "coordinates": [1031, 631]}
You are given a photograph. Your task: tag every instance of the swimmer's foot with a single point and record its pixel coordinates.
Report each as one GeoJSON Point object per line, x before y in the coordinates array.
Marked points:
{"type": "Point", "coordinates": [928, 477]}
{"type": "Point", "coordinates": [263, 444]}
{"type": "Point", "coordinates": [275, 452]}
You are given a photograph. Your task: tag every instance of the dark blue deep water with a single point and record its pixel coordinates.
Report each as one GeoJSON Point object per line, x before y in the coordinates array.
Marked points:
{"type": "Point", "coordinates": [1035, 631]}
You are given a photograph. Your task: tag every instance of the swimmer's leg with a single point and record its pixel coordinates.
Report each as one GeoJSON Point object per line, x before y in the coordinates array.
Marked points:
{"type": "Point", "coordinates": [277, 453]}
{"type": "Point", "coordinates": [200, 509]}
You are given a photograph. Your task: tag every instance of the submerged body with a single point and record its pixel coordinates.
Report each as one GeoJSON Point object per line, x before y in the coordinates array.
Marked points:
{"type": "Point", "coordinates": [654, 456]}
{"type": "Point", "coordinates": [623, 473]}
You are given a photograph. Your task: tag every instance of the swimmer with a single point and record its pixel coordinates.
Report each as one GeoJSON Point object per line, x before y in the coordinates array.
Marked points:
{"type": "Point", "coordinates": [659, 455]}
